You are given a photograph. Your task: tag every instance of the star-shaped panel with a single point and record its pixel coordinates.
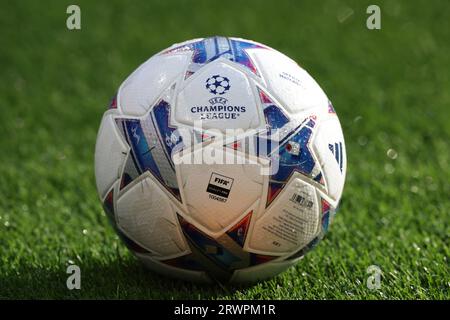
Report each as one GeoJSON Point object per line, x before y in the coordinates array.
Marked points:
{"type": "Point", "coordinates": [152, 141]}
{"type": "Point", "coordinates": [220, 256]}
{"type": "Point", "coordinates": [210, 49]}
{"type": "Point", "coordinates": [286, 143]}
{"type": "Point", "coordinates": [288, 162]}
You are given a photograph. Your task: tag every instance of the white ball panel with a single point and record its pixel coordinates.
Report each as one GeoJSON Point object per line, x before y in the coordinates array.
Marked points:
{"type": "Point", "coordinates": [292, 85]}
{"type": "Point", "coordinates": [240, 94]}
{"type": "Point", "coordinates": [179, 45]}
{"type": "Point", "coordinates": [328, 133]}
{"type": "Point", "coordinates": [291, 222]}
{"type": "Point", "coordinates": [204, 208]}
{"type": "Point", "coordinates": [110, 154]}
{"type": "Point", "coordinates": [140, 91]}
{"type": "Point", "coordinates": [145, 214]}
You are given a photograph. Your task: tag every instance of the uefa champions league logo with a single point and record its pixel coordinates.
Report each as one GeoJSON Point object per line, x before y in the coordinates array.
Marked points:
{"type": "Point", "coordinates": [218, 84]}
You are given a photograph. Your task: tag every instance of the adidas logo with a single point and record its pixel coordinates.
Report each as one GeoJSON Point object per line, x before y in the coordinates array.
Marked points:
{"type": "Point", "coordinates": [336, 150]}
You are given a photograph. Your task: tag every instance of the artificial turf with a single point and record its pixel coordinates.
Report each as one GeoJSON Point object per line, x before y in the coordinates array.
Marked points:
{"type": "Point", "coordinates": [390, 88]}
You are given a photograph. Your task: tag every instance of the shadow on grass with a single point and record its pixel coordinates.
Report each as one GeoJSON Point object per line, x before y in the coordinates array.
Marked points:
{"type": "Point", "coordinates": [127, 279]}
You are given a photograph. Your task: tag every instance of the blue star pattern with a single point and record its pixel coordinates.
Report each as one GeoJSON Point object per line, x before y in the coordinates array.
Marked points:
{"type": "Point", "coordinates": [289, 163]}
{"type": "Point", "coordinates": [210, 49]}
{"type": "Point", "coordinates": [152, 141]}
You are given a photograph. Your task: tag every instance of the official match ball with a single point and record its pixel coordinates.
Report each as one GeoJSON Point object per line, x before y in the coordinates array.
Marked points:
{"type": "Point", "coordinates": [220, 159]}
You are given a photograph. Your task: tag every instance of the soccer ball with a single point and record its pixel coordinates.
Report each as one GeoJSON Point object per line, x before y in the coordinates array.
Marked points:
{"type": "Point", "coordinates": [220, 159]}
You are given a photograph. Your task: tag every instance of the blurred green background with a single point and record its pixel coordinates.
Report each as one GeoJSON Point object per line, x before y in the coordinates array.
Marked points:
{"type": "Point", "coordinates": [390, 88]}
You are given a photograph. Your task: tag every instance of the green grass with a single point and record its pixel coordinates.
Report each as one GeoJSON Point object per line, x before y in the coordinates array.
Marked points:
{"type": "Point", "coordinates": [390, 88]}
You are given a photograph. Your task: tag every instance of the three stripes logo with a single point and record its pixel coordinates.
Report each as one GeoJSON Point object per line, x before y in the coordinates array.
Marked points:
{"type": "Point", "coordinates": [336, 150]}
